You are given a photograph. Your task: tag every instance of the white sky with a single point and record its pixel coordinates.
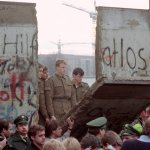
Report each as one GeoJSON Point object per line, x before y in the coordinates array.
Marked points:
{"type": "Point", "coordinates": [56, 21]}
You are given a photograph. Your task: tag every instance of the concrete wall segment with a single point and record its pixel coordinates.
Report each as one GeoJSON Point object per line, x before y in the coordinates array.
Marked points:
{"type": "Point", "coordinates": [18, 60]}
{"type": "Point", "coordinates": [13, 13]}
{"type": "Point", "coordinates": [124, 43]}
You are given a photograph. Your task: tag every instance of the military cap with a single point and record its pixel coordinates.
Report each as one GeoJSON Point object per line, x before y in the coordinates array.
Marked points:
{"type": "Point", "coordinates": [22, 119]}
{"type": "Point", "coordinates": [98, 122]}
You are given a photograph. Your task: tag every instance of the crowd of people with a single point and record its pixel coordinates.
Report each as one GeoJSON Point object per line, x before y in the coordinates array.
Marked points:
{"type": "Point", "coordinates": [58, 94]}
{"type": "Point", "coordinates": [134, 136]}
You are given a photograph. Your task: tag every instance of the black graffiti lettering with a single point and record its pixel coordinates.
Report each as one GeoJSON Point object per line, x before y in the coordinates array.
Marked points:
{"type": "Point", "coordinates": [34, 43]}
{"type": "Point", "coordinates": [27, 44]}
{"type": "Point", "coordinates": [107, 57]}
{"type": "Point", "coordinates": [21, 45]}
{"type": "Point", "coordinates": [3, 65]}
{"type": "Point", "coordinates": [10, 67]}
{"type": "Point", "coordinates": [20, 63]}
{"type": "Point", "coordinates": [145, 65]}
{"type": "Point", "coordinates": [128, 60]}
{"type": "Point", "coordinates": [30, 61]}
{"type": "Point", "coordinates": [121, 52]}
{"type": "Point", "coordinates": [115, 52]}
{"type": "Point", "coordinates": [10, 43]}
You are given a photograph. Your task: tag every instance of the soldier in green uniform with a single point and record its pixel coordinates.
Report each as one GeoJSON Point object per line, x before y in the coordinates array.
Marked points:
{"type": "Point", "coordinates": [79, 87]}
{"type": "Point", "coordinates": [43, 113]}
{"type": "Point", "coordinates": [19, 140]}
{"type": "Point", "coordinates": [97, 127]}
{"type": "Point", "coordinates": [61, 97]}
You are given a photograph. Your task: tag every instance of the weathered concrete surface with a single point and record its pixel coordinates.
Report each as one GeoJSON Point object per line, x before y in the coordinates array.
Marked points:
{"type": "Point", "coordinates": [18, 59]}
{"type": "Point", "coordinates": [122, 88]}
{"type": "Point", "coordinates": [17, 13]}
{"type": "Point", "coordinates": [123, 43]}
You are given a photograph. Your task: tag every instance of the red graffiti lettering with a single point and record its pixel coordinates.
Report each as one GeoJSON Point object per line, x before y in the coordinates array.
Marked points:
{"type": "Point", "coordinates": [21, 80]}
{"type": "Point", "coordinates": [4, 96]}
{"type": "Point", "coordinates": [13, 86]}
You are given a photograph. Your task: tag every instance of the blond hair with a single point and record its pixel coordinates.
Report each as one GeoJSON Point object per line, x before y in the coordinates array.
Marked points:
{"type": "Point", "coordinates": [71, 144]}
{"type": "Point", "coordinates": [53, 144]}
{"type": "Point", "coordinates": [60, 61]}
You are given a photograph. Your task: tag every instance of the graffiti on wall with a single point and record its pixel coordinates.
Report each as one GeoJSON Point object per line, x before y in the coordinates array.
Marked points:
{"type": "Point", "coordinates": [126, 59]}
{"type": "Point", "coordinates": [18, 79]}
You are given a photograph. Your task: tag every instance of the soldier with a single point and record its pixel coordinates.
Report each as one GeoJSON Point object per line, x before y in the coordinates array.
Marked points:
{"type": "Point", "coordinates": [61, 97]}
{"type": "Point", "coordinates": [80, 88]}
{"type": "Point", "coordinates": [43, 114]}
{"type": "Point", "coordinates": [97, 127]}
{"type": "Point", "coordinates": [19, 140]}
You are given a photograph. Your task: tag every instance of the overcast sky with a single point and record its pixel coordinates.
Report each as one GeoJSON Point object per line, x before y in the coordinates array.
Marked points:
{"type": "Point", "coordinates": [59, 22]}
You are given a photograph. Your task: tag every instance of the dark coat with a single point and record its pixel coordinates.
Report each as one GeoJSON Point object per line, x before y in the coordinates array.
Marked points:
{"type": "Point", "coordinates": [17, 142]}
{"type": "Point", "coordinates": [33, 147]}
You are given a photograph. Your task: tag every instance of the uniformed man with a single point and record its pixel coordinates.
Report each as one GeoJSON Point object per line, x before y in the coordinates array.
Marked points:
{"type": "Point", "coordinates": [97, 127]}
{"type": "Point", "coordinates": [61, 97]}
{"type": "Point", "coordinates": [80, 88]}
{"type": "Point", "coordinates": [19, 140]}
{"type": "Point", "coordinates": [43, 113]}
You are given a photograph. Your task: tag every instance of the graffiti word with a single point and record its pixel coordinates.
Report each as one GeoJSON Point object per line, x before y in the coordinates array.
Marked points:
{"type": "Point", "coordinates": [15, 63]}
{"type": "Point", "coordinates": [116, 58]}
{"type": "Point", "coordinates": [21, 44]}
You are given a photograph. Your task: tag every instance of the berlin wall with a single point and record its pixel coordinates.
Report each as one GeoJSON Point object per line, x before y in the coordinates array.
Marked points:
{"type": "Point", "coordinates": [18, 59]}
{"type": "Point", "coordinates": [123, 45]}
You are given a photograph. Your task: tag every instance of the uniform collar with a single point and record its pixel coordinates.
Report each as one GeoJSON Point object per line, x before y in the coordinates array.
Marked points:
{"type": "Point", "coordinates": [80, 84]}
{"type": "Point", "coordinates": [60, 76]}
{"type": "Point", "coordinates": [18, 137]}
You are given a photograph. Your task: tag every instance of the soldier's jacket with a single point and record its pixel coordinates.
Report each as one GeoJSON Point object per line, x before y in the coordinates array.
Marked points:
{"type": "Point", "coordinates": [15, 141]}
{"type": "Point", "coordinates": [61, 95]}
{"type": "Point", "coordinates": [80, 90]}
{"type": "Point", "coordinates": [43, 114]}
{"type": "Point", "coordinates": [48, 99]}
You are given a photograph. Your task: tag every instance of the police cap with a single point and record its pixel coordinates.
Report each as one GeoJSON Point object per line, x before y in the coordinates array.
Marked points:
{"type": "Point", "coordinates": [22, 119]}
{"type": "Point", "coordinates": [98, 122]}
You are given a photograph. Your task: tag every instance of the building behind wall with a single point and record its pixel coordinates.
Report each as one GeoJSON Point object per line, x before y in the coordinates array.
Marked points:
{"type": "Point", "coordinates": [87, 63]}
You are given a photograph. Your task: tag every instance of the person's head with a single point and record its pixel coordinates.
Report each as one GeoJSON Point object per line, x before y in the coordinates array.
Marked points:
{"type": "Point", "coordinates": [78, 74]}
{"type": "Point", "coordinates": [111, 138]}
{"type": "Point", "coordinates": [5, 128]}
{"type": "Point", "coordinates": [147, 127]}
{"type": "Point", "coordinates": [53, 129]}
{"type": "Point", "coordinates": [45, 72]}
{"type": "Point", "coordinates": [36, 134]}
{"type": "Point", "coordinates": [97, 126]}
{"type": "Point", "coordinates": [60, 67]}
{"type": "Point", "coordinates": [90, 141]}
{"type": "Point", "coordinates": [71, 143]}
{"type": "Point", "coordinates": [53, 144]}
{"type": "Point", "coordinates": [21, 123]}
{"type": "Point", "coordinates": [40, 71]}
{"type": "Point", "coordinates": [131, 131]}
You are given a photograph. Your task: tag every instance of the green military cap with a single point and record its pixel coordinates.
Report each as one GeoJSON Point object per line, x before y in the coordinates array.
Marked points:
{"type": "Point", "coordinates": [22, 119]}
{"type": "Point", "coordinates": [98, 122]}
